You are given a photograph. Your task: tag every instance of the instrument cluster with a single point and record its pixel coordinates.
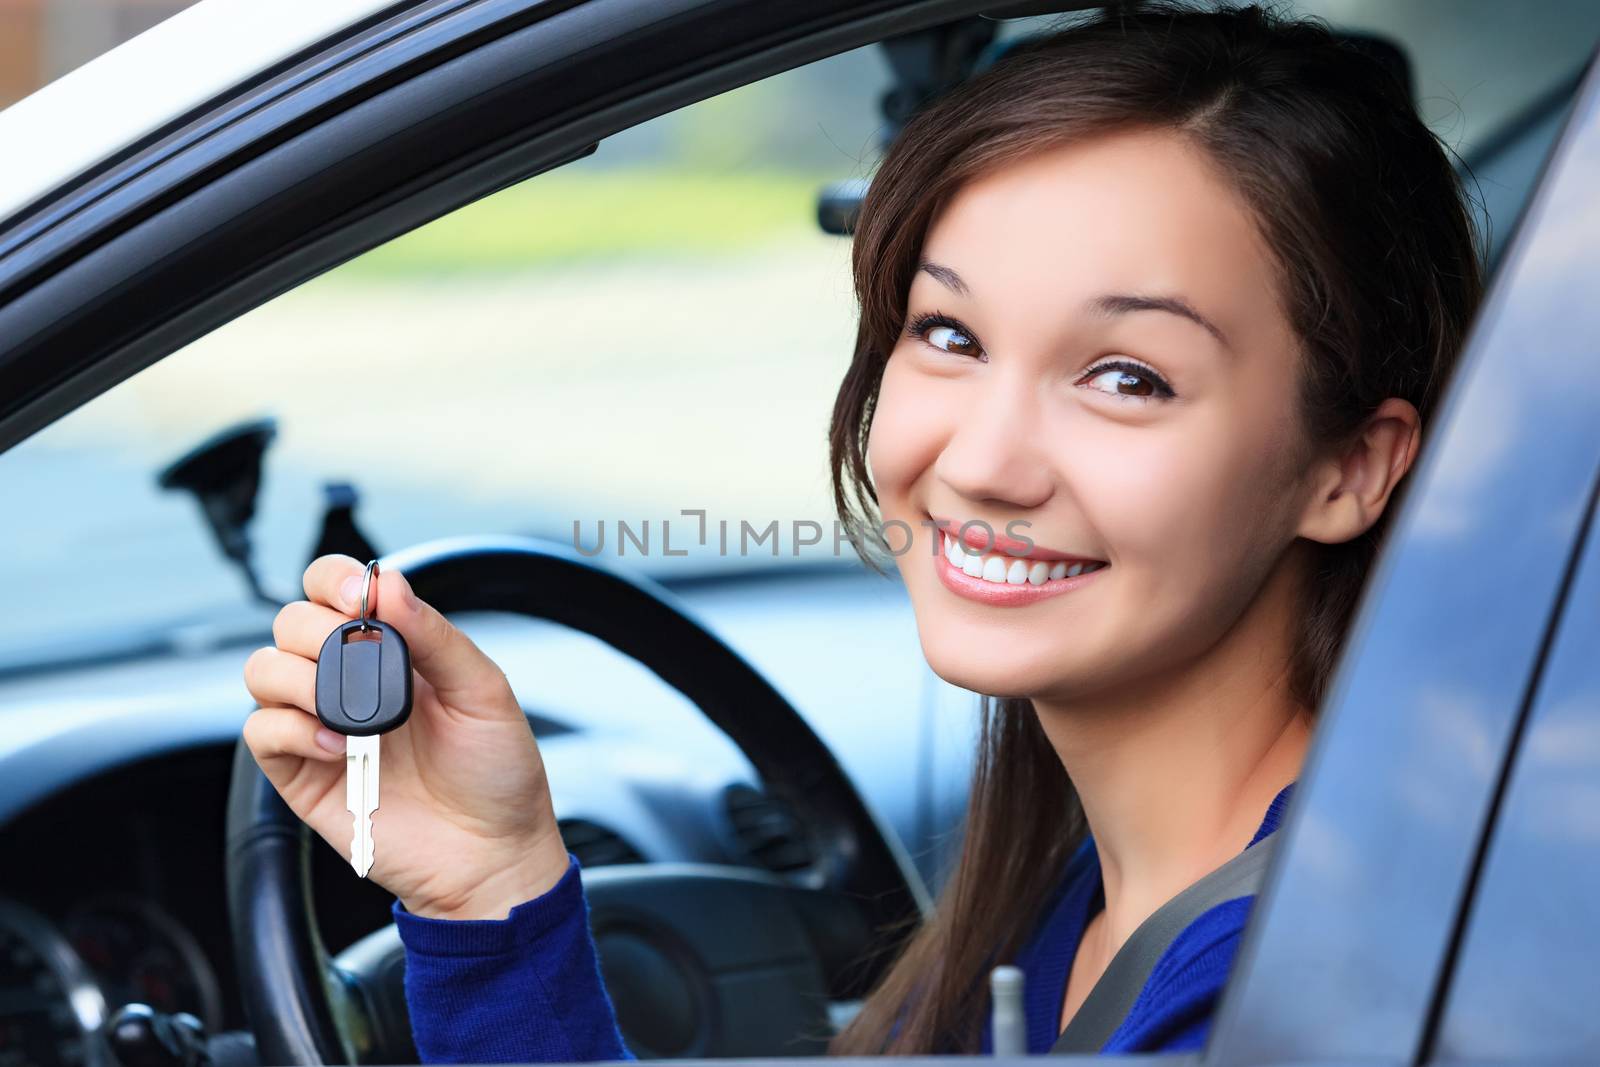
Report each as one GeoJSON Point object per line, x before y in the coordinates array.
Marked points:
{"type": "Point", "coordinates": [60, 981]}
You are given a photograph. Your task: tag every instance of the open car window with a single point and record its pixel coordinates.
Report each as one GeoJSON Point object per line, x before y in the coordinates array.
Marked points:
{"type": "Point", "coordinates": [656, 328]}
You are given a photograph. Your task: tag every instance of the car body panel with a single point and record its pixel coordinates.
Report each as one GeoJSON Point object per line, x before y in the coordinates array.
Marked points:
{"type": "Point", "coordinates": [1527, 977]}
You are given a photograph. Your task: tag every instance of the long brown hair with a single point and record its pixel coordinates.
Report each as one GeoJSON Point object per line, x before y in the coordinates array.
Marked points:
{"type": "Point", "coordinates": [1380, 274]}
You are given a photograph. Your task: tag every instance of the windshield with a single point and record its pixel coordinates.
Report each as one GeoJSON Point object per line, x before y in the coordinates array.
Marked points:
{"type": "Point", "coordinates": [645, 342]}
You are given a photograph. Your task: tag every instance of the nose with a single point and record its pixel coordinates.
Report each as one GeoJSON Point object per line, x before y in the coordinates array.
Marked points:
{"type": "Point", "coordinates": [994, 454]}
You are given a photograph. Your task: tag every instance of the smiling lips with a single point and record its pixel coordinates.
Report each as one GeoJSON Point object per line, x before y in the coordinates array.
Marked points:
{"type": "Point", "coordinates": [979, 567]}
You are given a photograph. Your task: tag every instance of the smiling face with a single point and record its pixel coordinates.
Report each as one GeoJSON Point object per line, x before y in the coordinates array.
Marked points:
{"type": "Point", "coordinates": [1096, 362]}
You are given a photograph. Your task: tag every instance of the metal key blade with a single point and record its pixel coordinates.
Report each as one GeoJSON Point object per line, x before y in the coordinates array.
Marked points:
{"type": "Point", "coordinates": [361, 796]}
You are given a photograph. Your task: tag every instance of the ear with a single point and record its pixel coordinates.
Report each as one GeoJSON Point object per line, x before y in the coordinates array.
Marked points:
{"type": "Point", "coordinates": [1351, 488]}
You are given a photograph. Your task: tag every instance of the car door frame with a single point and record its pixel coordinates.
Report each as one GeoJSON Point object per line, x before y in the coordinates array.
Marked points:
{"type": "Point", "coordinates": [450, 100]}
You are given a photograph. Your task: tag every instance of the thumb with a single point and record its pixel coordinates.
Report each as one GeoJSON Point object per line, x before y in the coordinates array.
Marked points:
{"type": "Point", "coordinates": [457, 668]}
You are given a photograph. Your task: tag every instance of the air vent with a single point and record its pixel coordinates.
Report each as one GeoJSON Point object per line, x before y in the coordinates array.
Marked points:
{"type": "Point", "coordinates": [767, 830]}
{"type": "Point", "coordinates": [596, 845]}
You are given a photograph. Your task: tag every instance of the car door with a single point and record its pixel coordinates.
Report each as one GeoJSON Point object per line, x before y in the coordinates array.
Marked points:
{"type": "Point", "coordinates": [1524, 983]}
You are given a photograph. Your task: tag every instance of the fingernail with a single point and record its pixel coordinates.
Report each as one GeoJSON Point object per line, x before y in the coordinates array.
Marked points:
{"type": "Point", "coordinates": [329, 740]}
{"type": "Point", "coordinates": [406, 594]}
{"type": "Point", "coordinates": [350, 591]}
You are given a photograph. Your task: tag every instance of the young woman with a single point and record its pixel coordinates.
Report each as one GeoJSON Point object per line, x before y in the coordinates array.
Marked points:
{"type": "Point", "coordinates": [1166, 297]}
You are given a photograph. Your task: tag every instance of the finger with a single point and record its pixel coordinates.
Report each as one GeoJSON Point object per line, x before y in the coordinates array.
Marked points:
{"type": "Point", "coordinates": [324, 576]}
{"type": "Point", "coordinates": [274, 676]}
{"type": "Point", "coordinates": [279, 737]}
{"type": "Point", "coordinates": [458, 669]}
{"type": "Point", "coordinates": [301, 627]}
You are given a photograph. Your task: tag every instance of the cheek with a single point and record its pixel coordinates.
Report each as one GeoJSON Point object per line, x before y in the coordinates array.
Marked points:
{"type": "Point", "coordinates": [1184, 507]}
{"type": "Point", "coordinates": [909, 426]}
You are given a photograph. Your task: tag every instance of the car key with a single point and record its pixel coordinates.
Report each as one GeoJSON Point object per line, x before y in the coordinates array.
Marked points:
{"type": "Point", "coordinates": [363, 692]}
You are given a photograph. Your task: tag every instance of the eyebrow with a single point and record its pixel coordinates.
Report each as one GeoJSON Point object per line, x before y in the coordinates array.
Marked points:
{"type": "Point", "coordinates": [947, 277]}
{"type": "Point", "coordinates": [1108, 305]}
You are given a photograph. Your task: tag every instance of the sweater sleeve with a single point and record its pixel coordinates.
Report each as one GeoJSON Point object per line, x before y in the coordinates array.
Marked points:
{"type": "Point", "coordinates": [526, 988]}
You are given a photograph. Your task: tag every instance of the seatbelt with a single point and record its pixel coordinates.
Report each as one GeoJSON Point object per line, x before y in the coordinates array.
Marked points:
{"type": "Point", "coordinates": [1113, 996]}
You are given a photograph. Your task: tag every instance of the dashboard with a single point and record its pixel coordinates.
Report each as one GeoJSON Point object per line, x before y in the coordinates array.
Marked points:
{"type": "Point", "coordinates": [114, 779]}
{"type": "Point", "coordinates": [113, 894]}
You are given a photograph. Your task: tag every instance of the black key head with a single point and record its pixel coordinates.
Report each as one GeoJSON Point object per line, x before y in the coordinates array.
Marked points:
{"type": "Point", "coordinates": [364, 679]}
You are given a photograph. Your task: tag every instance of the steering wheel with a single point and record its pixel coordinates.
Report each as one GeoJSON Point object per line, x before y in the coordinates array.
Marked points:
{"type": "Point", "coordinates": [687, 949]}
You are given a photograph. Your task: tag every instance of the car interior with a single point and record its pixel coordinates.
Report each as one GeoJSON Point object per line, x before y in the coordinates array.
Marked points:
{"type": "Point", "coordinates": [631, 360]}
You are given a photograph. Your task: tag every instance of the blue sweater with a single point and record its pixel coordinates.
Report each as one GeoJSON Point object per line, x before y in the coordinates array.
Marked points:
{"type": "Point", "coordinates": [527, 988]}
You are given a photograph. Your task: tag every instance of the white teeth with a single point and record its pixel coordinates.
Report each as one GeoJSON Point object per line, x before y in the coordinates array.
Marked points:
{"type": "Point", "coordinates": [1009, 570]}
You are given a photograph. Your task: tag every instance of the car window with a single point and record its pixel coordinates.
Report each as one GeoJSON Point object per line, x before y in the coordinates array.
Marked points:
{"type": "Point", "coordinates": [656, 328]}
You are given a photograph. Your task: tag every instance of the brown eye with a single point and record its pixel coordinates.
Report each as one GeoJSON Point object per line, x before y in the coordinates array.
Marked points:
{"type": "Point", "coordinates": [1123, 383]}
{"type": "Point", "coordinates": [952, 340]}
{"type": "Point", "coordinates": [938, 330]}
{"type": "Point", "coordinates": [1130, 380]}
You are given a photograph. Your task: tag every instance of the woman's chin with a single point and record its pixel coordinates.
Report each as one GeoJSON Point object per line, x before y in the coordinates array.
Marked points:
{"type": "Point", "coordinates": [997, 672]}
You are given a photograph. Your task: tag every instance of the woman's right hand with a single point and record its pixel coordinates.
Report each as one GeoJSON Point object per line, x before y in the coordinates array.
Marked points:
{"type": "Point", "coordinates": [465, 828]}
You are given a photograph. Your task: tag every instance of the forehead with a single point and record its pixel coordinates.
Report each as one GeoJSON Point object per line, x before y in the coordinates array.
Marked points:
{"type": "Point", "coordinates": [1136, 211]}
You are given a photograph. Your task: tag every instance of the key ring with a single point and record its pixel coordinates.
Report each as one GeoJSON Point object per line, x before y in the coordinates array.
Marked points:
{"type": "Point", "coordinates": [366, 585]}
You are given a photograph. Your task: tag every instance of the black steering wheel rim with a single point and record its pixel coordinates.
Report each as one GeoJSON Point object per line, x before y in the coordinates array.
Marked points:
{"type": "Point", "coordinates": [301, 1011]}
